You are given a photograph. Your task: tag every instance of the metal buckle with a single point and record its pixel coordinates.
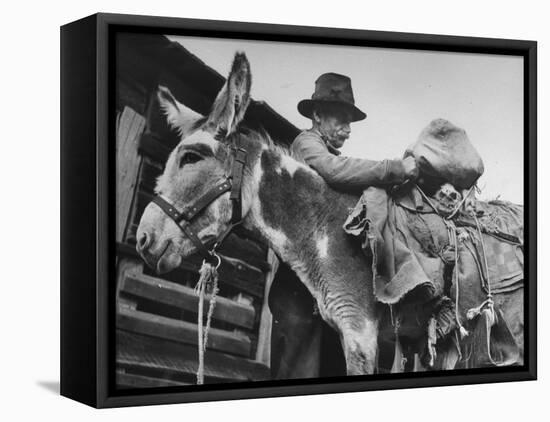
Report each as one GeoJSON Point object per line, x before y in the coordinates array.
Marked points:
{"type": "Point", "coordinates": [213, 254]}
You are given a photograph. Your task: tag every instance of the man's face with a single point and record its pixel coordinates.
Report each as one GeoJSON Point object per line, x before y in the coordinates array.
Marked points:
{"type": "Point", "coordinates": [334, 126]}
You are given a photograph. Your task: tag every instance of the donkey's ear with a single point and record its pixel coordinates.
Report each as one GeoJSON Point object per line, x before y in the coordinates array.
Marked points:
{"type": "Point", "coordinates": [178, 116]}
{"type": "Point", "coordinates": [233, 99]}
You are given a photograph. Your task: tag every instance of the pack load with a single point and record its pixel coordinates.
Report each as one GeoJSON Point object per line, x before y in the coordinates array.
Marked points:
{"type": "Point", "coordinates": [439, 254]}
{"type": "Point", "coordinates": [443, 152]}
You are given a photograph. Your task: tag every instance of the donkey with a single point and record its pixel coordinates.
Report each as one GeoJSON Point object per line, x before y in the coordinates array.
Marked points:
{"type": "Point", "coordinates": [284, 202]}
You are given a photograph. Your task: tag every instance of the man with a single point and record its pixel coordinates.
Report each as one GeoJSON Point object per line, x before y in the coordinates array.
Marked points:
{"type": "Point", "coordinates": [302, 345]}
{"type": "Point", "coordinates": [332, 109]}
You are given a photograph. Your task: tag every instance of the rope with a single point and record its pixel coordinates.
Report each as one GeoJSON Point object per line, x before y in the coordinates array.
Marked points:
{"type": "Point", "coordinates": [399, 360]}
{"type": "Point", "coordinates": [461, 203]}
{"type": "Point", "coordinates": [428, 200]}
{"type": "Point", "coordinates": [200, 370]}
{"type": "Point", "coordinates": [487, 276]}
{"type": "Point", "coordinates": [208, 279]}
{"type": "Point", "coordinates": [462, 330]}
{"type": "Point", "coordinates": [472, 313]}
{"type": "Point", "coordinates": [451, 228]}
{"type": "Point", "coordinates": [487, 306]}
{"type": "Point", "coordinates": [457, 208]}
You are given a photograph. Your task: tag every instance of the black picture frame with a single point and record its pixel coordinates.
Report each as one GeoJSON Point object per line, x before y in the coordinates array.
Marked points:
{"type": "Point", "coordinates": [87, 211]}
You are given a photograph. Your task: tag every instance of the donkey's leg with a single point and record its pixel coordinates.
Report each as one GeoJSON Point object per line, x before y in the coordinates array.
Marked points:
{"type": "Point", "coordinates": [511, 305]}
{"type": "Point", "coordinates": [447, 357]}
{"type": "Point", "coordinates": [359, 341]}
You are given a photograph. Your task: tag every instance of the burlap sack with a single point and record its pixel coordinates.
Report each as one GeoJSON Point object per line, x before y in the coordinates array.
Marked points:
{"type": "Point", "coordinates": [443, 151]}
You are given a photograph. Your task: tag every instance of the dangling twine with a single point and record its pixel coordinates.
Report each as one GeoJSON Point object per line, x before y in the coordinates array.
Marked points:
{"type": "Point", "coordinates": [452, 229]}
{"type": "Point", "coordinates": [399, 359]}
{"type": "Point", "coordinates": [208, 280]}
{"type": "Point", "coordinates": [488, 303]}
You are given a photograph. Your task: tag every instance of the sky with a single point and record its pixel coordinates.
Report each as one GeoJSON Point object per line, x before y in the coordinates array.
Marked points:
{"type": "Point", "coordinates": [401, 91]}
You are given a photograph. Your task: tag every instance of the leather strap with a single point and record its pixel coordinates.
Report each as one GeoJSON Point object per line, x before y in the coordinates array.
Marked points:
{"type": "Point", "coordinates": [210, 196]}
{"type": "Point", "coordinates": [237, 178]}
{"type": "Point", "coordinates": [179, 219]}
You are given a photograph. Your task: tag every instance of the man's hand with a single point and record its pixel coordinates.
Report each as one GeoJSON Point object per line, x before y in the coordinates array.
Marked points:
{"type": "Point", "coordinates": [411, 170]}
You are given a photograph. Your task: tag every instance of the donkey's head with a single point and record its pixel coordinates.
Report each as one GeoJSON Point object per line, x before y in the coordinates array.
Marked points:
{"type": "Point", "coordinates": [201, 160]}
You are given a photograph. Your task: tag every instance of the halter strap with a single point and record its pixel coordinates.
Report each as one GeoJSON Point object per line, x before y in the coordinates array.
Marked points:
{"type": "Point", "coordinates": [237, 179]}
{"type": "Point", "coordinates": [203, 201]}
{"type": "Point", "coordinates": [183, 224]}
{"type": "Point", "coordinates": [183, 218]}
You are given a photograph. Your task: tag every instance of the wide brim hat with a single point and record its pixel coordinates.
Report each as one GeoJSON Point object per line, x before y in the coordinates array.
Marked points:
{"type": "Point", "coordinates": [332, 88]}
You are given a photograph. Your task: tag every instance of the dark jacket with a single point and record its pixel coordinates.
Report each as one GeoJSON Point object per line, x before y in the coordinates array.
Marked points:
{"type": "Point", "coordinates": [344, 173]}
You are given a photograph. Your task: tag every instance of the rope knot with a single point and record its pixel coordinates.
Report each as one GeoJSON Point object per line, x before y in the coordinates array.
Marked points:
{"type": "Point", "coordinates": [487, 306]}
{"type": "Point", "coordinates": [208, 283]}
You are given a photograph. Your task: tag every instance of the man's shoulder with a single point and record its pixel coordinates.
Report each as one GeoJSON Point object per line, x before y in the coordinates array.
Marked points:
{"type": "Point", "coordinates": [306, 143]}
{"type": "Point", "coordinates": [307, 138]}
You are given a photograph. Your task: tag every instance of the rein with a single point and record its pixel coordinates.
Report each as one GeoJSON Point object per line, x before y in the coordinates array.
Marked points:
{"type": "Point", "coordinates": [209, 269]}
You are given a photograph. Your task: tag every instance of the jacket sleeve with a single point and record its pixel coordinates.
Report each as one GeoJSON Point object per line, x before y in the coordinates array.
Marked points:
{"type": "Point", "coordinates": [346, 173]}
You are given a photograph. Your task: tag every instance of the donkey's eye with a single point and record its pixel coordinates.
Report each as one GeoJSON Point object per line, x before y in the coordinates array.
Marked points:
{"type": "Point", "coordinates": [189, 158]}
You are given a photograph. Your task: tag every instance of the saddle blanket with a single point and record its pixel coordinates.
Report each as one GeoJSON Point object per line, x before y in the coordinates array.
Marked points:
{"type": "Point", "coordinates": [409, 244]}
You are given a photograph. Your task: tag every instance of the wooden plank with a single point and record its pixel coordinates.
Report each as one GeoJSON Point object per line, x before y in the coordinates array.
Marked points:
{"type": "Point", "coordinates": [174, 294]}
{"type": "Point", "coordinates": [124, 302]}
{"type": "Point", "coordinates": [150, 171]}
{"type": "Point", "coordinates": [138, 351]}
{"type": "Point", "coordinates": [126, 380]}
{"type": "Point", "coordinates": [130, 94]}
{"type": "Point", "coordinates": [151, 146]}
{"type": "Point", "coordinates": [233, 272]}
{"type": "Point", "coordinates": [244, 233]}
{"type": "Point", "coordinates": [263, 348]}
{"type": "Point", "coordinates": [130, 127]}
{"type": "Point", "coordinates": [127, 265]}
{"type": "Point", "coordinates": [250, 252]}
{"type": "Point", "coordinates": [181, 331]}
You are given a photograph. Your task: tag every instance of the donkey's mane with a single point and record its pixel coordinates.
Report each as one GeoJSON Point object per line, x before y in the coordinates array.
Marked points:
{"type": "Point", "coordinates": [258, 136]}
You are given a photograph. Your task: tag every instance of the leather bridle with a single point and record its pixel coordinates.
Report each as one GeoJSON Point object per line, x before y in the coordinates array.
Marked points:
{"type": "Point", "coordinates": [183, 219]}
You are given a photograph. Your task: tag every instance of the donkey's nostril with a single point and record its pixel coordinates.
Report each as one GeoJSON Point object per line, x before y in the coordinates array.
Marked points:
{"type": "Point", "coordinates": [143, 241]}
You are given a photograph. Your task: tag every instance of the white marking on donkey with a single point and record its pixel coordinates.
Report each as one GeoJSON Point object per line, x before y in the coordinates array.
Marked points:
{"type": "Point", "coordinates": [322, 246]}
{"type": "Point", "coordinates": [291, 165]}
